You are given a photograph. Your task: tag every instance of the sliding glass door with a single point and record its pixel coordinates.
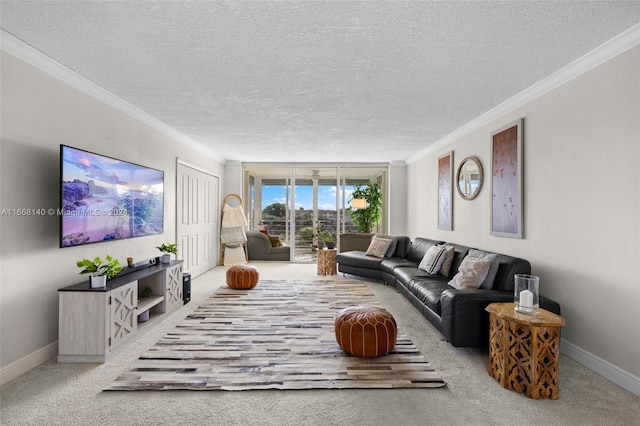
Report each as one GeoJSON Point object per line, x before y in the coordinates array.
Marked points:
{"type": "Point", "coordinates": [304, 205]}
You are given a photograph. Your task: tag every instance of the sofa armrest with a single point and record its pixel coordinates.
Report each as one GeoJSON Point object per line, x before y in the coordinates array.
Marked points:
{"type": "Point", "coordinates": [258, 245]}
{"type": "Point", "coordinates": [464, 319]}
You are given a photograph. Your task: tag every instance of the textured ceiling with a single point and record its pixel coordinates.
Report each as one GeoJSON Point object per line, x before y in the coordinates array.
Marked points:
{"type": "Point", "coordinates": [320, 81]}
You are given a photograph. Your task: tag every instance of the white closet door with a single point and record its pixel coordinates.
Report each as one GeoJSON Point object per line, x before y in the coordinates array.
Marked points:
{"type": "Point", "coordinates": [197, 219]}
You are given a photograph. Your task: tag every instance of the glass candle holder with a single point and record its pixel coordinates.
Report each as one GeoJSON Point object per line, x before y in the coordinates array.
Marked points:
{"type": "Point", "coordinates": [525, 293]}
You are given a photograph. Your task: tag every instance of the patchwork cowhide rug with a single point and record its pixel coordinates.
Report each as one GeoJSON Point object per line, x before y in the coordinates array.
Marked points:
{"type": "Point", "coordinates": [278, 335]}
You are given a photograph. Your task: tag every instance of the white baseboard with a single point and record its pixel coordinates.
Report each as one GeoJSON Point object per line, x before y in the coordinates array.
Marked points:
{"type": "Point", "coordinates": [21, 366]}
{"type": "Point", "coordinates": [617, 375]}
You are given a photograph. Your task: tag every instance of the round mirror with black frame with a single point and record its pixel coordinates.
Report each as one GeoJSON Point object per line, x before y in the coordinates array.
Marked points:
{"type": "Point", "coordinates": [469, 178]}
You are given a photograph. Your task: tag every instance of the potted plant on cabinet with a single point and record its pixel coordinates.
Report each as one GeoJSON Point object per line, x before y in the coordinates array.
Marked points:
{"type": "Point", "coordinates": [99, 270]}
{"type": "Point", "coordinates": [167, 250]}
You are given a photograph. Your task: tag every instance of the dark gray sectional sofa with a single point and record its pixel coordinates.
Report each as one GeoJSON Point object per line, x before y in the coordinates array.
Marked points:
{"type": "Point", "coordinates": [459, 314]}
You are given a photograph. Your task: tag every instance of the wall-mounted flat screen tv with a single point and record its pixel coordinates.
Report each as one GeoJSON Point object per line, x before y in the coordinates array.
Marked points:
{"type": "Point", "coordinates": [104, 199]}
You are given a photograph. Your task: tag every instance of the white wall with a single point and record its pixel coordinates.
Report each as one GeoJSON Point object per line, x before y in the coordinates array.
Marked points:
{"type": "Point", "coordinates": [40, 112]}
{"type": "Point", "coordinates": [582, 204]}
{"type": "Point", "coordinates": [398, 199]}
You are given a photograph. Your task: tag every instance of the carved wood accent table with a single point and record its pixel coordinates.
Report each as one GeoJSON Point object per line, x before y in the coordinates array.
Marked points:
{"type": "Point", "coordinates": [524, 350]}
{"type": "Point", "coordinates": [327, 262]}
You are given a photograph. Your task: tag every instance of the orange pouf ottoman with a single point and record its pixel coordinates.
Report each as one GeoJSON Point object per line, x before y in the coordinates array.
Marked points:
{"type": "Point", "coordinates": [242, 277]}
{"type": "Point", "coordinates": [366, 331]}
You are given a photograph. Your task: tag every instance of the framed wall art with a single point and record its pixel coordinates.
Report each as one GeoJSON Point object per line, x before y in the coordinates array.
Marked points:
{"type": "Point", "coordinates": [507, 181]}
{"type": "Point", "coordinates": [445, 192]}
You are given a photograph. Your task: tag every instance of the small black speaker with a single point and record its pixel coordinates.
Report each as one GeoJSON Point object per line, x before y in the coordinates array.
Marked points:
{"type": "Point", "coordinates": [186, 287]}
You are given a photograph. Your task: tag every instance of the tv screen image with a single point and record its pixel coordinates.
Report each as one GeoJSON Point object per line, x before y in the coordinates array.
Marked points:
{"type": "Point", "coordinates": [105, 199]}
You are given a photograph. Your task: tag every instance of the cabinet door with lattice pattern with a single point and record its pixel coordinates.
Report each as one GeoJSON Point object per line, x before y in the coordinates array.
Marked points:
{"type": "Point", "coordinates": [173, 296]}
{"type": "Point", "coordinates": [124, 322]}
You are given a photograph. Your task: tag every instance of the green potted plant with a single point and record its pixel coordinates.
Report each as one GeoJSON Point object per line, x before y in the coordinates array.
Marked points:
{"type": "Point", "coordinates": [99, 269]}
{"type": "Point", "coordinates": [367, 218]}
{"type": "Point", "coordinates": [329, 239]}
{"type": "Point", "coordinates": [167, 250]}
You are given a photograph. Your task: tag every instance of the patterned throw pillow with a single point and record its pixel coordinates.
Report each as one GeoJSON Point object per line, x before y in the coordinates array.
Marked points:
{"type": "Point", "coordinates": [275, 241]}
{"type": "Point", "coordinates": [378, 246]}
{"type": "Point", "coordinates": [392, 247]}
{"type": "Point", "coordinates": [471, 273]}
{"type": "Point", "coordinates": [433, 259]}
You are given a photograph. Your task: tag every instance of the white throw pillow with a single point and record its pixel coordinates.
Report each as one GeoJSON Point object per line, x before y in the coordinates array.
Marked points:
{"type": "Point", "coordinates": [433, 259]}
{"type": "Point", "coordinates": [471, 273]}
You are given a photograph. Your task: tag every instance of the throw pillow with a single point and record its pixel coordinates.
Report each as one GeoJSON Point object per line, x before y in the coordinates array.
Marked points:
{"type": "Point", "coordinates": [493, 270]}
{"type": "Point", "coordinates": [378, 246]}
{"type": "Point", "coordinates": [433, 259]}
{"type": "Point", "coordinates": [275, 241]}
{"type": "Point", "coordinates": [471, 273]}
{"type": "Point", "coordinates": [450, 251]}
{"type": "Point", "coordinates": [392, 246]}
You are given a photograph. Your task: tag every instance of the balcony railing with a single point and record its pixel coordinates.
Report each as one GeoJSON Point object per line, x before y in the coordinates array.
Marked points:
{"type": "Point", "coordinates": [305, 232]}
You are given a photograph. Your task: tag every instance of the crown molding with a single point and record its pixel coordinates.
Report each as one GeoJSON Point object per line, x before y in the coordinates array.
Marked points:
{"type": "Point", "coordinates": [21, 50]}
{"type": "Point", "coordinates": [601, 54]}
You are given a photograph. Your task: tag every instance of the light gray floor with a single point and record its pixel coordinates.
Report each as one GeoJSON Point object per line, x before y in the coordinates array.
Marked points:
{"type": "Point", "coordinates": [71, 394]}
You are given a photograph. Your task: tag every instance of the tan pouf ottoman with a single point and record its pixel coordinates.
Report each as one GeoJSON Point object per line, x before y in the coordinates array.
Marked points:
{"type": "Point", "coordinates": [366, 331]}
{"type": "Point", "coordinates": [242, 276]}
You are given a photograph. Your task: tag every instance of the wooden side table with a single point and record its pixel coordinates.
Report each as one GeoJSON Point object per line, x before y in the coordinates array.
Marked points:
{"type": "Point", "coordinates": [327, 262]}
{"type": "Point", "coordinates": [524, 350]}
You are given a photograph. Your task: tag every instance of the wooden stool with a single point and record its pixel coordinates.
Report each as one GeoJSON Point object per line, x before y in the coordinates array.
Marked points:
{"type": "Point", "coordinates": [366, 331]}
{"type": "Point", "coordinates": [242, 277]}
{"type": "Point", "coordinates": [327, 261]}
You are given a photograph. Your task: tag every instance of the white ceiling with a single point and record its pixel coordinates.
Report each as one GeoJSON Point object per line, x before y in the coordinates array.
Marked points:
{"type": "Point", "coordinates": [315, 81]}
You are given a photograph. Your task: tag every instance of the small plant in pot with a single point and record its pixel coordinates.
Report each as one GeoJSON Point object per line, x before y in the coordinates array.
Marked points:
{"type": "Point", "coordinates": [329, 239]}
{"type": "Point", "coordinates": [167, 250]}
{"type": "Point", "coordinates": [99, 270]}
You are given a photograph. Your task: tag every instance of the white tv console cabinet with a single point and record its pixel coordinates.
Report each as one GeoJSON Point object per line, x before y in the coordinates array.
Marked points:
{"type": "Point", "coordinates": [95, 323]}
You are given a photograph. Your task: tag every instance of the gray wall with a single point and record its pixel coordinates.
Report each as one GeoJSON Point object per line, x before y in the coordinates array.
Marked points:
{"type": "Point", "coordinates": [582, 204]}
{"type": "Point", "coordinates": [40, 112]}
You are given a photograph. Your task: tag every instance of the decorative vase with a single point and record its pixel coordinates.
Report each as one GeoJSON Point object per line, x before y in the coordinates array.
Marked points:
{"type": "Point", "coordinates": [525, 293]}
{"type": "Point", "coordinates": [98, 281]}
{"type": "Point", "coordinates": [329, 244]}
{"type": "Point", "coordinates": [166, 258]}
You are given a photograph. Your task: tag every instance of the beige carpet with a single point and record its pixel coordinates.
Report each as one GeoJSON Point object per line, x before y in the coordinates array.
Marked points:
{"type": "Point", "coordinates": [279, 335]}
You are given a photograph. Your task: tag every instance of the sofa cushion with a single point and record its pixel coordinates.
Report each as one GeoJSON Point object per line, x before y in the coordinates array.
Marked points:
{"type": "Point", "coordinates": [428, 291]}
{"type": "Point", "coordinates": [419, 248]}
{"type": "Point", "coordinates": [433, 259]}
{"type": "Point", "coordinates": [404, 245]}
{"type": "Point", "coordinates": [405, 274]}
{"type": "Point", "coordinates": [471, 273]}
{"type": "Point", "coordinates": [379, 245]}
{"type": "Point", "coordinates": [508, 267]}
{"type": "Point", "coordinates": [389, 264]}
{"type": "Point", "coordinates": [359, 259]}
